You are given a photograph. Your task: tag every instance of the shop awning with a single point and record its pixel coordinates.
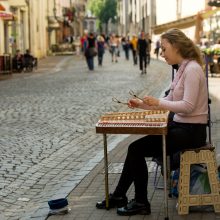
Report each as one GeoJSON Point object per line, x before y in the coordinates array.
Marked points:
{"type": "Point", "coordinates": [6, 15]}
{"type": "Point", "coordinates": [183, 22]}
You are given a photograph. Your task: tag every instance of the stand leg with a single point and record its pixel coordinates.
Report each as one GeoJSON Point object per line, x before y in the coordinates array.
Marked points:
{"type": "Point", "coordinates": [106, 171]}
{"type": "Point", "coordinates": [165, 177]}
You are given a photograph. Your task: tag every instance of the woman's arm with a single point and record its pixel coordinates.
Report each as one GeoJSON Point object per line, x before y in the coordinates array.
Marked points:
{"type": "Point", "coordinates": [137, 103]}
{"type": "Point", "coordinates": [187, 94]}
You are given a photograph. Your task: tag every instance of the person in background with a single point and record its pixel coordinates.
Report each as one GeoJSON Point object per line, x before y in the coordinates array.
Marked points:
{"type": "Point", "coordinates": [28, 60]}
{"type": "Point", "coordinates": [113, 46]}
{"type": "Point", "coordinates": [118, 38]}
{"type": "Point", "coordinates": [17, 61]}
{"type": "Point", "coordinates": [83, 39]}
{"type": "Point", "coordinates": [157, 48]}
{"type": "Point", "coordinates": [126, 46]}
{"type": "Point", "coordinates": [105, 38]}
{"type": "Point", "coordinates": [89, 46]}
{"type": "Point", "coordinates": [186, 127]}
{"type": "Point", "coordinates": [133, 43]}
{"type": "Point", "coordinates": [100, 48]}
{"type": "Point", "coordinates": [142, 47]}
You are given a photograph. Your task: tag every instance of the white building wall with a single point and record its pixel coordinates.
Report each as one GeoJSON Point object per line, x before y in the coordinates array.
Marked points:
{"type": "Point", "coordinates": [42, 30]}
{"type": "Point", "coordinates": [188, 8]}
{"type": "Point", "coordinates": [133, 11]}
{"type": "Point", "coordinates": [30, 28]}
{"type": "Point", "coordinates": [124, 17]}
{"type": "Point", "coordinates": [134, 16]}
{"type": "Point", "coordinates": [2, 41]}
{"type": "Point", "coordinates": [50, 13]}
{"type": "Point", "coordinates": [26, 29]}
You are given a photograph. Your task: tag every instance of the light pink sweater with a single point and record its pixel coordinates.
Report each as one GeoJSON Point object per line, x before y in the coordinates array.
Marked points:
{"type": "Point", "coordinates": [188, 97]}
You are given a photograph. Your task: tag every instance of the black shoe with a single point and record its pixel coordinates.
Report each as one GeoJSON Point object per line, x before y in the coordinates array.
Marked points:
{"type": "Point", "coordinates": [133, 208]}
{"type": "Point", "coordinates": [114, 202]}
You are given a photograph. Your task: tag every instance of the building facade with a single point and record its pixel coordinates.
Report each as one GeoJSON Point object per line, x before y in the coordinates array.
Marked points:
{"type": "Point", "coordinates": [5, 17]}
{"type": "Point", "coordinates": [135, 16]}
{"type": "Point", "coordinates": [78, 22]}
{"type": "Point", "coordinates": [37, 25]}
{"type": "Point", "coordinates": [197, 19]}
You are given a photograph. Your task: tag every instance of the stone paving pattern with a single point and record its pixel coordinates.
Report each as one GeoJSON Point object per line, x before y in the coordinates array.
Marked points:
{"type": "Point", "coordinates": [49, 148]}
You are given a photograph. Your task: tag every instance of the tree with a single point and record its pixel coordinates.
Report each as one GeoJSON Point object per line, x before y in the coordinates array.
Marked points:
{"type": "Point", "coordinates": [104, 10]}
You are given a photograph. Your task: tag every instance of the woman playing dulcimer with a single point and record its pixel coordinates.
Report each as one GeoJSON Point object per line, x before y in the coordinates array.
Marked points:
{"type": "Point", "coordinates": [188, 100]}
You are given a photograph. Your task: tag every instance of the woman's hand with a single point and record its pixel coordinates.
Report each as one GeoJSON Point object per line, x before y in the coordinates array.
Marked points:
{"type": "Point", "coordinates": [151, 101]}
{"type": "Point", "coordinates": [134, 103]}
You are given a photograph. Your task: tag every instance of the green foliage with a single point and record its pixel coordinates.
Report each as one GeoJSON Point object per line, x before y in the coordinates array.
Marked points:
{"type": "Point", "coordinates": [96, 7]}
{"type": "Point", "coordinates": [109, 11]}
{"type": "Point", "coordinates": [104, 9]}
{"type": "Point", "coordinates": [211, 51]}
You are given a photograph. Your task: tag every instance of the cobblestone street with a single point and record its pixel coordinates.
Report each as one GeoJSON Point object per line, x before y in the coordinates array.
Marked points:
{"type": "Point", "coordinates": [48, 142]}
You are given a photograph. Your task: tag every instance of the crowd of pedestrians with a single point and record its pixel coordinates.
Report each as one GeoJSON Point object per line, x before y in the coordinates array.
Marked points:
{"type": "Point", "coordinates": [138, 45]}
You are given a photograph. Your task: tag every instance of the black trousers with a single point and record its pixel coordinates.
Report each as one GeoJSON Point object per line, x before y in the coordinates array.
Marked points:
{"type": "Point", "coordinates": [100, 57]}
{"type": "Point", "coordinates": [143, 61]}
{"type": "Point", "coordinates": [180, 136]}
{"type": "Point", "coordinates": [134, 54]}
{"type": "Point", "coordinates": [148, 58]}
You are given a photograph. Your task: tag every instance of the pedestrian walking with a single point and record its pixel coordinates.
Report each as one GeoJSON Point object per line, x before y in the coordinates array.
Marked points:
{"type": "Point", "coordinates": [157, 48]}
{"type": "Point", "coordinates": [133, 44]}
{"type": "Point", "coordinates": [114, 47]}
{"type": "Point", "coordinates": [186, 127]}
{"type": "Point", "coordinates": [90, 50]}
{"type": "Point", "coordinates": [83, 39]}
{"type": "Point", "coordinates": [126, 46]}
{"type": "Point", "coordinates": [101, 49]}
{"type": "Point", "coordinates": [142, 51]}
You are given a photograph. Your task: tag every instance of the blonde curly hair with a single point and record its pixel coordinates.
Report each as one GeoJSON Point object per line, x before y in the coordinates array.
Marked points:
{"type": "Point", "coordinates": [185, 46]}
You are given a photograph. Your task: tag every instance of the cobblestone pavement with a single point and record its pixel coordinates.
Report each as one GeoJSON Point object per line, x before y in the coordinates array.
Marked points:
{"type": "Point", "coordinates": [48, 142]}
